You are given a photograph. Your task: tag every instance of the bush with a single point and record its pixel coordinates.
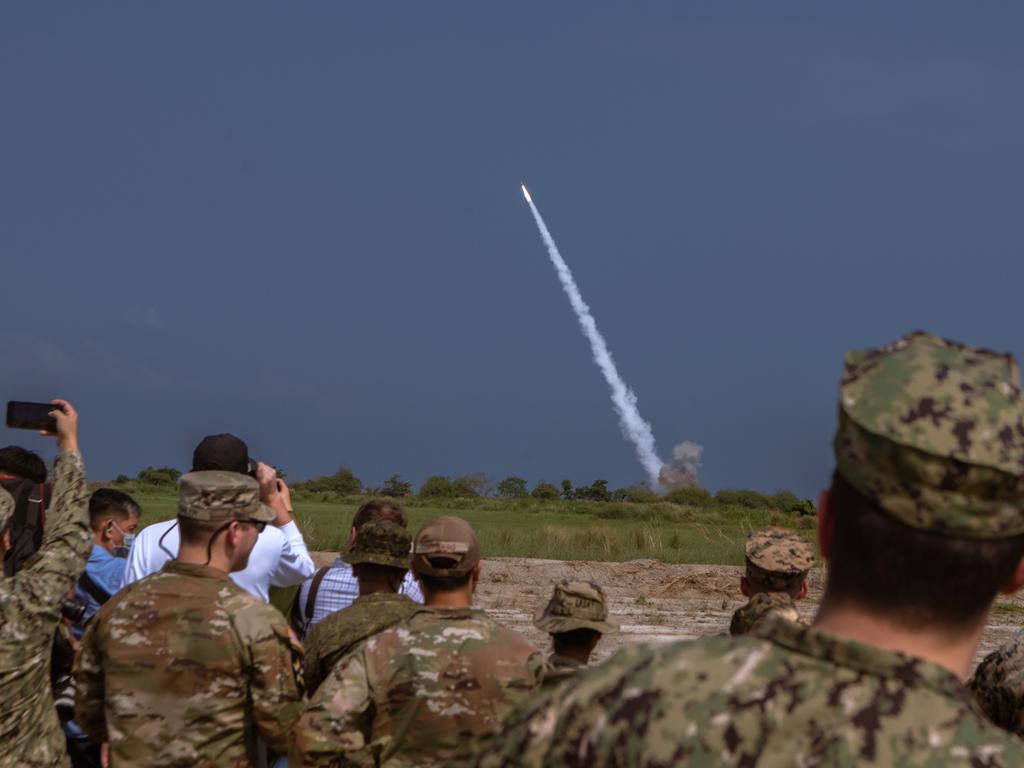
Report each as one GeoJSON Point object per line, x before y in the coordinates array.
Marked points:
{"type": "Point", "coordinates": [691, 497]}
{"type": "Point", "coordinates": [786, 501]}
{"type": "Point", "coordinates": [512, 487]}
{"type": "Point", "coordinates": [158, 476]}
{"type": "Point", "coordinates": [567, 490]}
{"type": "Point", "coordinates": [395, 486]}
{"type": "Point", "coordinates": [343, 482]}
{"type": "Point", "coordinates": [638, 493]}
{"type": "Point", "coordinates": [476, 484]}
{"type": "Point", "coordinates": [544, 491]}
{"type": "Point", "coordinates": [437, 487]}
{"type": "Point", "coordinates": [747, 499]}
{"type": "Point", "coordinates": [597, 491]}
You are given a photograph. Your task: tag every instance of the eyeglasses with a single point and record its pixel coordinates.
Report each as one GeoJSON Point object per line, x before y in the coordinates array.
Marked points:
{"type": "Point", "coordinates": [260, 524]}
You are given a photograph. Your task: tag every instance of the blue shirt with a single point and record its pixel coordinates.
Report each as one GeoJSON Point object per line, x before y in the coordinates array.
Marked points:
{"type": "Point", "coordinates": [107, 571]}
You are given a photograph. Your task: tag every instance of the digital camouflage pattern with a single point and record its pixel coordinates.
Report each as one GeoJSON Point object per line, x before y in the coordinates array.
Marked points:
{"type": "Point", "coordinates": [558, 669]}
{"type": "Point", "coordinates": [760, 607]}
{"type": "Point", "coordinates": [788, 697]}
{"type": "Point", "coordinates": [185, 668]}
{"type": "Point", "coordinates": [933, 432]}
{"type": "Point", "coordinates": [218, 497]}
{"type": "Point", "coordinates": [998, 686]}
{"type": "Point", "coordinates": [30, 734]}
{"type": "Point", "coordinates": [575, 605]}
{"type": "Point", "coordinates": [778, 558]}
{"type": "Point", "coordinates": [424, 692]}
{"type": "Point", "coordinates": [334, 637]}
{"type": "Point", "coordinates": [380, 543]}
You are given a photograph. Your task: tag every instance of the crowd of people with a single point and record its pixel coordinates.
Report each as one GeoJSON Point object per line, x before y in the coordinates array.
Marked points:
{"type": "Point", "coordinates": [158, 647]}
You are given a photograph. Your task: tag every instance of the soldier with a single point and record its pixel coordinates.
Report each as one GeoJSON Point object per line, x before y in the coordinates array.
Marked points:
{"type": "Point", "coordinates": [921, 528]}
{"type": "Point", "coordinates": [576, 617]}
{"type": "Point", "coordinates": [425, 691]}
{"type": "Point", "coordinates": [379, 556]}
{"type": "Point", "coordinates": [777, 564]}
{"type": "Point", "coordinates": [30, 600]}
{"type": "Point", "coordinates": [184, 667]}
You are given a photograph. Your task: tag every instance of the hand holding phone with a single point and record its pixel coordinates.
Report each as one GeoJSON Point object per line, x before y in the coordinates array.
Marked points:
{"type": "Point", "coordinates": [57, 418]}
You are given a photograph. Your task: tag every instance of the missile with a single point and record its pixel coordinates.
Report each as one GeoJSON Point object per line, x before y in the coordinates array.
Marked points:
{"type": "Point", "coordinates": [526, 192]}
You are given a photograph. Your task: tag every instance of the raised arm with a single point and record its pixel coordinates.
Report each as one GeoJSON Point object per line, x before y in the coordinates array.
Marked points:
{"type": "Point", "coordinates": [294, 565]}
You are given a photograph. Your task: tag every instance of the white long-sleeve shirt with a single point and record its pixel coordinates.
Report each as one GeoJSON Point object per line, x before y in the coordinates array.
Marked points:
{"type": "Point", "coordinates": [278, 559]}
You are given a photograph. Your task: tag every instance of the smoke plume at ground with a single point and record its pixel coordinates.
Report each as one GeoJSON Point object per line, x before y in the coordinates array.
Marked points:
{"type": "Point", "coordinates": [684, 471]}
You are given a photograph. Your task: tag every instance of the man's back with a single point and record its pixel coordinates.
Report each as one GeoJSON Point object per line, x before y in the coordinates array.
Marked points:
{"type": "Point", "coordinates": [438, 685]}
{"type": "Point", "coordinates": [792, 696]}
{"type": "Point", "coordinates": [339, 633]}
{"type": "Point", "coordinates": [185, 668]}
{"type": "Point", "coordinates": [748, 617]}
{"type": "Point", "coordinates": [30, 734]}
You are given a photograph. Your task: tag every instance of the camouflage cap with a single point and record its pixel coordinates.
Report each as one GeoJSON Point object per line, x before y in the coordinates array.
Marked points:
{"type": "Point", "coordinates": [777, 557]}
{"type": "Point", "coordinates": [933, 432]}
{"type": "Point", "coordinates": [6, 508]}
{"type": "Point", "coordinates": [445, 546]}
{"type": "Point", "coordinates": [575, 605]}
{"type": "Point", "coordinates": [216, 496]}
{"type": "Point", "coordinates": [380, 543]}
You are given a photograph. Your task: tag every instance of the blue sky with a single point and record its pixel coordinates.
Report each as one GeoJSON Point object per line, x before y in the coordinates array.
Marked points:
{"type": "Point", "coordinates": [302, 224]}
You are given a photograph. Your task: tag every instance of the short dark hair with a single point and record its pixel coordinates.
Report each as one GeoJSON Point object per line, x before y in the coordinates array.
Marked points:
{"type": "Point", "coordinates": [444, 583]}
{"type": "Point", "coordinates": [583, 637]}
{"type": "Point", "coordinates": [108, 502]}
{"type": "Point", "coordinates": [194, 531]}
{"type": "Point", "coordinates": [913, 577]}
{"type": "Point", "coordinates": [378, 572]}
{"type": "Point", "coordinates": [377, 511]}
{"type": "Point", "coordinates": [23, 463]}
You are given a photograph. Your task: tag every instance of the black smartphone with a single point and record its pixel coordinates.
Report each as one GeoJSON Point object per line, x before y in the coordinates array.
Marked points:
{"type": "Point", "coordinates": [35, 416]}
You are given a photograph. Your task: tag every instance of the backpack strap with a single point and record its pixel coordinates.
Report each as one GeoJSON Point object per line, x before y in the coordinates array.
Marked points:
{"type": "Point", "coordinates": [94, 590]}
{"type": "Point", "coordinates": [300, 618]}
{"type": "Point", "coordinates": [314, 587]}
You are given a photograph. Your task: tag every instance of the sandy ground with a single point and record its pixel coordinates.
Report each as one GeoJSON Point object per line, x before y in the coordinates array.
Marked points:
{"type": "Point", "coordinates": [655, 602]}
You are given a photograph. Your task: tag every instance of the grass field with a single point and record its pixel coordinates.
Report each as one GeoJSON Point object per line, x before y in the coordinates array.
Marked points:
{"type": "Point", "coordinates": [559, 530]}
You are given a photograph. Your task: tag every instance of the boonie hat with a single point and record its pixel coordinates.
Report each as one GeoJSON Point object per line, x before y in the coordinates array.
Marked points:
{"type": "Point", "coordinates": [219, 497]}
{"type": "Point", "coordinates": [380, 543]}
{"type": "Point", "coordinates": [445, 546]}
{"type": "Point", "coordinates": [575, 605]}
{"type": "Point", "coordinates": [932, 431]}
{"type": "Point", "coordinates": [224, 452]}
{"type": "Point", "coordinates": [776, 557]}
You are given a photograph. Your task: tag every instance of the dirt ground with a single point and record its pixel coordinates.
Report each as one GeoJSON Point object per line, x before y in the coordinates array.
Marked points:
{"type": "Point", "coordinates": [655, 602]}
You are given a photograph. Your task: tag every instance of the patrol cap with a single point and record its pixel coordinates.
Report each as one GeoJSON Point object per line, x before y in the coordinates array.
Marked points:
{"type": "Point", "coordinates": [225, 452]}
{"type": "Point", "coordinates": [777, 557]}
{"type": "Point", "coordinates": [932, 431]}
{"type": "Point", "coordinates": [380, 543]}
{"type": "Point", "coordinates": [219, 497]}
{"type": "Point", "coordinates": [575, 605]}
{"type": "Point", "coordinates": [445, 546]}
{"type": "Point", "coordinates": [6, 508]}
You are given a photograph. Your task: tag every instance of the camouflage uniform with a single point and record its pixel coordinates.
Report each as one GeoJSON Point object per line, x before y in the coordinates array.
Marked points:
{"type": "Point", "coordinates": [933, 433]}
{"type": "Point", "coordinates": [333, 638]}
{"type": "Point", "coordinates": [185, 668]}
{"type": "Point", "coordinates": [777, 559]}
{"type": "Point", "coordinates": [573, 605]}
{"type": "Point", "coordinates": [426, 691]}
{"type": "Point", "coordinates": [30, 734]}
{"type": "Point", "coordinates": [998, 686]}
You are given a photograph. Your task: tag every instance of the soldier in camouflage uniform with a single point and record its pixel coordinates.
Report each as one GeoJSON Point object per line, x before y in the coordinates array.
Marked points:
{"type": "Point", "coordinates": [430, 688]}
{"type": "Point", "coordinates": [576, 617]}
{"type": "Point", "coordinates": [777, 564]}
{"type": "Point", "coordinates": [921, 528]}
{"type": "Point", "coordinates": [998, 686]}
{"type": "Point", "coordinates": [30, 734]}
{"type": "Point", "coordinates": [379, 556]}
{"type": "Point", "coordinates": [185, 668]}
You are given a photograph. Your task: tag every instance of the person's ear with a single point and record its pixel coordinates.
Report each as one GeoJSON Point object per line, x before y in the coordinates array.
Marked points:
{"type": "Point", "coordinates": [826, 523]}
{"type": "Point", "coordinates": [745, 587]}
{"type": "Point", "coordinates": [475, 577]}
{"type": "Point", "coordinates": [352, 537]}
{"type": "Point", "coordinates": [1016, 580]}
{"type": "Point", "coordinates": [802, 593]}
{"type": "Point", "coordinates": [108, 528]}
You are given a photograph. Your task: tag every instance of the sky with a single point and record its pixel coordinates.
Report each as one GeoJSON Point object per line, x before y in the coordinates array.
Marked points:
{"type": "Point", "coordinates": [301, 223]}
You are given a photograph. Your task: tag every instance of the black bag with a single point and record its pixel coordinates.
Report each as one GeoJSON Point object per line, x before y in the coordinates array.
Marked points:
{"type": "Point", "coordinates": [31, 501]}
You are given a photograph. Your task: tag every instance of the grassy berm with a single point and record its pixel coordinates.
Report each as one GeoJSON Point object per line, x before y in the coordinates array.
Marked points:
{"type": "Point", "coordinates": [557, 530]}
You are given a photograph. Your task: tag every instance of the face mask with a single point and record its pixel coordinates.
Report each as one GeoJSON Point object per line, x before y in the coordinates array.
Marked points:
{"type": "Point", "coordinates": [126, 544]}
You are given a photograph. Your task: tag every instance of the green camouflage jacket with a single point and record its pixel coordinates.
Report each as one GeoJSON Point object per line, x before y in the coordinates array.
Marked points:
{"type": "Point", "coordinates": [340, 632]}
{"type": "Point", "coordinates": [184, 668]}
{"type": "Point", "coordinates": [424, 692]}
{"type": "Point", "coordinates": [759, 607]}
{"type": "Point", "coordinates": [30, 733]}
{"type": "Point", "coordinates": [998, 686]}
{"type": "Point", "coordinates": [787, 696]}
{"type": "Point", "coordinates": [558, 669]}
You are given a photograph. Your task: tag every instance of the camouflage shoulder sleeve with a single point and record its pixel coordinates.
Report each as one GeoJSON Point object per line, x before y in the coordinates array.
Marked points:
{"type": "Point", "coordinates": [759, 607]}
{"type": "Point", "coordinates": [335, 726]}
{"type": "Point", "coordinates": [90, 694]}
{"type": "Point", "coordinates": [998, 686]}
{"type": "Point", "coordinates": [275, 674]}
{"type": "Point", "coordinates": [66, 543]}
{"type": "Point", "coordinates": [312, 659]}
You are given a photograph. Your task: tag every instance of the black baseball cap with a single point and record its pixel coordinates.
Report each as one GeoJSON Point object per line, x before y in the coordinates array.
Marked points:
{"type": "Point", "coordinates": [223, 452]}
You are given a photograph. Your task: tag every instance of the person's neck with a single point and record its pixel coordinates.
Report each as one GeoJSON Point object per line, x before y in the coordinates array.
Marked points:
{"type": "Point", "coordinates": [196, 555]}
{"type": "Point", "coordinates": [459, 598]}
{"type": "Point", "coordinates": [955, 652]}
{"type": "Point", "coordinates": [574, 652]}
{"type": "Point", "coordinates": [99, 542]}
{"type": "Point", "coordinates": [374, 588]}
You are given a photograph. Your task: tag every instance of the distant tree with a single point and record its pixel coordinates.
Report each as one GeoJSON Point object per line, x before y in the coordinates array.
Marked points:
{"type": "Point", "coordinates": [638, 493]}
{"type": "Point", "coordinates": [512, 487]}
{"type": "Point", "coordinates": [690, 497]}
{"type": "Point", "coordinates": [121, 479]}
{"type": "Point", "coordinates": [343, 482]}
{"type": "Point", "coordinates": [544, 490]}
{"type": "Point", "coordinates": [567, 490]}
{"type": "Point", "coordinates": [437, 487]}
{"type": "Point", "coordinates": [479, 483]}
{"type": "Point", "coordinates": [740, 498]}
{"type": "Point", "coordinates": [396, 486]}
{"type": "Point", "coordinates": [596, 491]}
{"type": "Point", "coordinates": [158, 475]}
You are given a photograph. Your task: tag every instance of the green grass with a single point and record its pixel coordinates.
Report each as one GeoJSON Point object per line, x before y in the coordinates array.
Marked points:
{"type": "Point", "coordinates": [558, 530]}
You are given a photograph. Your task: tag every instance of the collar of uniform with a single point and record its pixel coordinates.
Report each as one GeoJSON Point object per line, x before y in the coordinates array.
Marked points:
{"type": "Point", "coordinates": [871, 659]}
{"type": "Point", "coordinates": [383, 597]}
{"type": "Point", "coordinates": [194, 569]}
{"type": "Point", "coordinates": [559, 661]}
{"type": "Point", "coordinates": [455, 613]}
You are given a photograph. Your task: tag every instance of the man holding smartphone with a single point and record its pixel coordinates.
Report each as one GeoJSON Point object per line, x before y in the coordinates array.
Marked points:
{"type": "Point", "coordinates": [30, 607]}
{"type": "Point", "coordinates": [280, 557]}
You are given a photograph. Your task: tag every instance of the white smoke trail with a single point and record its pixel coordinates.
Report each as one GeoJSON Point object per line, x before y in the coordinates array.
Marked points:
{"type": "Point", "coordinates": [634, 428]}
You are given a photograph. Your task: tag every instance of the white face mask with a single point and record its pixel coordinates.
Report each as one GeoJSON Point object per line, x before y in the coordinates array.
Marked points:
{"type": "Point", "coordinates": [126, 544]}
